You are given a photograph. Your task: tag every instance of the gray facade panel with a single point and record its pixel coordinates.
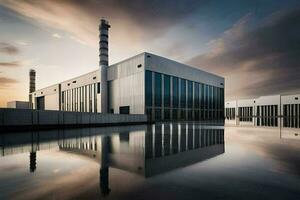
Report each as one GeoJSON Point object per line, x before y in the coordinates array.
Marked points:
{"type": "Point", "coordinates": [166, 66]}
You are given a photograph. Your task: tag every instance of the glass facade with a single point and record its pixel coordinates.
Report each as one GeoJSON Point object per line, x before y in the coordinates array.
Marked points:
{"type": "Point", "coordinates": [167, 91]}
{"type": "Point", "coordinates": [230, 113]}
{"type": "Point", "coordinates": [182, 93]}
{"type": "Point", "coordinates": [246, 114]}
{"type": "Point", "coordinates": [175, 92]}
{"type": "Point", "coordinates": [291, 115]}
{"type": "Point", "coordinates": [148, 88]}
{"type": "Point", "coordinates": [190, 94]}
{"type": "Point", "coordinates": [158, 90]}
{"type": "Point", "coordinates": [175, 97]}
{"type": "Point", "coordinates": [267, 115]}
{"type": "Point", "coordinates": [81, 99]}
{"type": "Point", "coordinates": [196, 96]}
{"type": "Point", "coordinates": [180, 99]}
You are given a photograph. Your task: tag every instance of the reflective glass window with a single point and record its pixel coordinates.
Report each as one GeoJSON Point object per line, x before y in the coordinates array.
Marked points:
{"type": "Point", "coordinates": [148, 88]}
{"type": "Point", "coordinates": [183, 93]}
{"type": "Point", "coordinates": [190, 94]}
{"type": "Point", "coordinates": [167, 92]}
{"type": "Point", "coordinates": [196, 96]}
{"type": "Point", "coordinates": [175, 92]}
{"type": "Point", "coordinates": [158, 89]}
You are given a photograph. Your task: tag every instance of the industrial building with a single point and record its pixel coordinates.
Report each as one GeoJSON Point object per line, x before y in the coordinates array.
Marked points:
{"type": "Point", "coordinates": [144, 84]}
{"type": "Point", "coordinates": [265, 111]}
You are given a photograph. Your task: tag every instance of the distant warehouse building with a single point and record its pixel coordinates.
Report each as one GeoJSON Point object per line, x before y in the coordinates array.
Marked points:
{"type": "Point", "coordinates": [265, 111]}
{"type": "Point", "coordinates": [144, 84]}
{"type": "Point", "coordinates": [18, 104]}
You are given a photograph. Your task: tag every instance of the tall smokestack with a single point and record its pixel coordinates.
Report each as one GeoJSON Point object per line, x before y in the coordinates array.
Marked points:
{"type": "Point", "coordinates": [103, 63]}
{"type": "Point", "coordinates": [31, 86]}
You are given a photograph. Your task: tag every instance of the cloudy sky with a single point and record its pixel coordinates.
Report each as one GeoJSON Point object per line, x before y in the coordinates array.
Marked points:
{"type": "Point", "coordinates": [254, 44]}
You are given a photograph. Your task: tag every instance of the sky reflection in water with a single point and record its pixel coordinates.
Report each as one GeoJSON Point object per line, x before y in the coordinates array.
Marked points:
{"type": "Point", "coordinates": [185, 160]}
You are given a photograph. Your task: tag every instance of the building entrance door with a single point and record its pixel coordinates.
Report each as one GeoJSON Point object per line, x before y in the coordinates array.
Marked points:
{"type": "Point", "coordinates": [40, 103]}
{"type": "Point", "coordinates": [124, 109]}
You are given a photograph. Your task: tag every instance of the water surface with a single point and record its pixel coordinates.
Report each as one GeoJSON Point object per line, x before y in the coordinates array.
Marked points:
{"type": "Point", "coordinates": [162, 161]}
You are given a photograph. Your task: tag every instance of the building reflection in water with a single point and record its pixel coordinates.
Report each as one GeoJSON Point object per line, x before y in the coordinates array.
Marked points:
{"type": "Point", "coordinates": [32, 157]}
{"type": "Point", "coordinates": [104, 166]}
{"type": "Point", "coordinates": [147, 150]}
{"type": "Point", "coordinates": [34, 149]}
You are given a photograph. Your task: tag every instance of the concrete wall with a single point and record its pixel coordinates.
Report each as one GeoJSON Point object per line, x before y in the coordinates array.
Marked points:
{"type": "Point", "coordinates": [127, 67]}
{"type": "Point", "coordinates": [246, 103]}
{"type": "Point", "coordinates": [23, 117]}
{"type": "Point", "coordinates": [51, 95]}
{"type": "Point", "coordinates": [85, 79]}
{"type": "Point", "coordinates": [268, 100]}
{"type": "Point", "coordinates": [52, 101]}
{"type": "Point", "coordinates": [290, 99]}
{"type": "Point", "coordinates": [231, 104]}
{"type": "Point", "coordinates": [54, 89]}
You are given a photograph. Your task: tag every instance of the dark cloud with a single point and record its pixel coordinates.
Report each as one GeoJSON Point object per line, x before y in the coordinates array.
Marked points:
{"type": "Point", "coordinates": [155, 13]}
{"type": "Point", "coordinates": [12, 64]}
{"type": "Point", "coordinates": [258, 61]}
{"type": "Point", "coordinates": [133, 20]}
{"type": "Point", "coordinates": [9, 49]}
{"type": "Point", "coordinates": [6, 82]}
{"type": "Point", "coordinates": [158, 13]}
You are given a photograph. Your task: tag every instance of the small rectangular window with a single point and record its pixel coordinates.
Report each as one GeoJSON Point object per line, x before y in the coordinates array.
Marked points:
{"type": "Point", "coordinates": [98, 88]}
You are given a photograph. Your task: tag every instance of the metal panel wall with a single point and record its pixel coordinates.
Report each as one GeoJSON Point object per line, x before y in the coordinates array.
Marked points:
{"type": "Point", "coordinates": [127, 91]}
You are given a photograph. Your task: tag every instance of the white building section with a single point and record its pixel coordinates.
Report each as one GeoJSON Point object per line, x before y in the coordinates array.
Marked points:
{"type": "Point", "coordinates": [266, 111]}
